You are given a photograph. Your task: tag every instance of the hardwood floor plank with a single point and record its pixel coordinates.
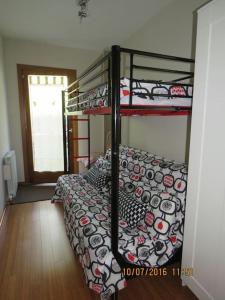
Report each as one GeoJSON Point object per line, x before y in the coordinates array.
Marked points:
{"type": "Point", "coordinates": [37, 261]}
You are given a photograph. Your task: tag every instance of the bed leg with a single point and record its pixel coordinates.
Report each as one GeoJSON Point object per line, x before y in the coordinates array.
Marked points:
{"type": "Point", "coordinates": [114, 296]}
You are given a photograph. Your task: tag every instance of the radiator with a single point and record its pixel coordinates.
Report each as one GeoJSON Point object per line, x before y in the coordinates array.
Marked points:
{"type": "Point", "coordinates": [10, 173]}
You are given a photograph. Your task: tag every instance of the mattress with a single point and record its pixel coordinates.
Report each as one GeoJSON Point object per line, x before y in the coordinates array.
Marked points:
{"type": "Point", "coordinates": [143, 94]}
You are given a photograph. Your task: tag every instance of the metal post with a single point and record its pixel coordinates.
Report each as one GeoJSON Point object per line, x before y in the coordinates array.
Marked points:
{"type": "Point", "coordinates": [115, 146]}
{"type": "Point", "coordinates": [89, 143]}
{"type": "Point", "coordinates": [114, 296]}
{"type": "Point", "coordinates": [65, 142]}
{"type": "Point", "coordinates": [69, 156]}
{"type": "Point", "coordinates": [131, 77]}
{"type": "Point", "coordinates": [109, 81]}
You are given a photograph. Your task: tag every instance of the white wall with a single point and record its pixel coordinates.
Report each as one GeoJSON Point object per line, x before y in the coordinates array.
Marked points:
{"type": "Point", "coordinates": [204, 234]}
{"type": "Point", "coordinates": [26, 52]}
{"type": "Point", "coordinates": [4, 131]}
{"type": "Point", "coordinates": [170, 32]}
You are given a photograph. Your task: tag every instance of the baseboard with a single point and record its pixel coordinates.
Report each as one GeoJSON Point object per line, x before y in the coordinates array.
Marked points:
{"type": "Point", "coordinates": [36, 184]}
{"type": "Point", "coordinates": [3, 215]}
{"type": "Point", "coordinates": [196, 288]}
{"type": "Point", "coordinates": [23, 183]}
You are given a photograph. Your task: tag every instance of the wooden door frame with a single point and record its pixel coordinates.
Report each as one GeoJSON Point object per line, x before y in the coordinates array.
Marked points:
{"type": "Point", "coordinates": [22, 72]}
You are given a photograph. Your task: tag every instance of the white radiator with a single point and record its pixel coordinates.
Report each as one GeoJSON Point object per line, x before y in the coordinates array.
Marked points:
{"type": "Point", "coordinates": [10, 173]}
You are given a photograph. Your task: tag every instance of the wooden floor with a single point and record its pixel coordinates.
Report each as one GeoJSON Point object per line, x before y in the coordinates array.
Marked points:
{"type": "Point", "coordinates": [37, 263]}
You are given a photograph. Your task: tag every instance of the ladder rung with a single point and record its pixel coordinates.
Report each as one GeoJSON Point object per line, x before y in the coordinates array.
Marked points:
{"type": "Point", "coordinates": [76, 120]}
{"type": "Point", "coordinates": [81, 138]}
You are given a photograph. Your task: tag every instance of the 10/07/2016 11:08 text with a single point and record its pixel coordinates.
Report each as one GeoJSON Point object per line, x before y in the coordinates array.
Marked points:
{"type": "Point", "coordinates": [157, 271]}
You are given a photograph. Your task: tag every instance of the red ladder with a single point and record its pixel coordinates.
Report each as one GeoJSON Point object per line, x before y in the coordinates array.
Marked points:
{"type": "Point", "coordinates": [75, 139]}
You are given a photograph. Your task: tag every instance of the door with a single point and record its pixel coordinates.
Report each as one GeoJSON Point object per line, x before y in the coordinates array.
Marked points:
{"type": "Point", "coordinates": [42, 121]}
{"type": "Point", "coordinates": [204, 235]}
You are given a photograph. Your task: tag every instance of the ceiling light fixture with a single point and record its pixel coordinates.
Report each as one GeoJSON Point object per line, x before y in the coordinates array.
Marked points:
{"type": "Point", "coordinates": [83, 12]}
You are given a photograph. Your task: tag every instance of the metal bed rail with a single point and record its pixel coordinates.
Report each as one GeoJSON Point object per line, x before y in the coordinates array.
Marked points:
{"type": "Point", "coordinates": [77, 91]}
{"type": "Point", "coordinates": [79, 88]}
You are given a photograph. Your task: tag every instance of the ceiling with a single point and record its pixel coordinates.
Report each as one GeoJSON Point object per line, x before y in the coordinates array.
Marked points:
{"type": "Point", "coordinates": [57, 22]}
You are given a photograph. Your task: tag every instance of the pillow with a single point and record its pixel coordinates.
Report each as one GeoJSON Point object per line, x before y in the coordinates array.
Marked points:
{"type": "Point", "coordinates": [96, 178]}
{"type": "Point", "coordinates": [130, 210]}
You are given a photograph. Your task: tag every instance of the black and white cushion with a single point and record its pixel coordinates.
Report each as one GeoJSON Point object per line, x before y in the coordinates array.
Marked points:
{"type": "Point", "coordinates": [96, 178]}
{"type": "Point", "coordinates": [131, 211]}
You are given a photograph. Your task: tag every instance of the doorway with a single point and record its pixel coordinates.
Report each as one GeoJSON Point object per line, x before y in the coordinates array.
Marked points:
{"type": "Point", "coordinates": [42, 116]}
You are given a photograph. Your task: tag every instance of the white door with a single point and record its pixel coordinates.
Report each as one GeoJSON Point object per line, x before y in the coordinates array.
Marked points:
{"type": "Point", "coordinates": [204, 236]}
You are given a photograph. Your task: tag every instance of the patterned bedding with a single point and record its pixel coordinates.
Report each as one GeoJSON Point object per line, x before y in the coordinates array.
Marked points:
{"type": "Point", "coordinates": [151, 243]}
{"type": "Point", "coordinates": [143, 94]}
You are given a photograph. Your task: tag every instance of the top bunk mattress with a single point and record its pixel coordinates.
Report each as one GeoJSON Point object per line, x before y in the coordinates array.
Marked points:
{"type": "Point", "coordinates": [143, 94]}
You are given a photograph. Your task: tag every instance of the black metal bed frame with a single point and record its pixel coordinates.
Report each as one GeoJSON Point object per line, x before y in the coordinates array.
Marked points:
{"type": "Point", "coordinates": [113, 78]}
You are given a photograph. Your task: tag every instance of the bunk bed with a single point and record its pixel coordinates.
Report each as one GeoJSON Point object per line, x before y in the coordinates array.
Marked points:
{"type": "Point", "coordinates": [119, 97]}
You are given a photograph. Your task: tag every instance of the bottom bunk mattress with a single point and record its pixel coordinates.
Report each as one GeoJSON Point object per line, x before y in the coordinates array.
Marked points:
{"type": "Point", "coordinates": [87, 220]}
